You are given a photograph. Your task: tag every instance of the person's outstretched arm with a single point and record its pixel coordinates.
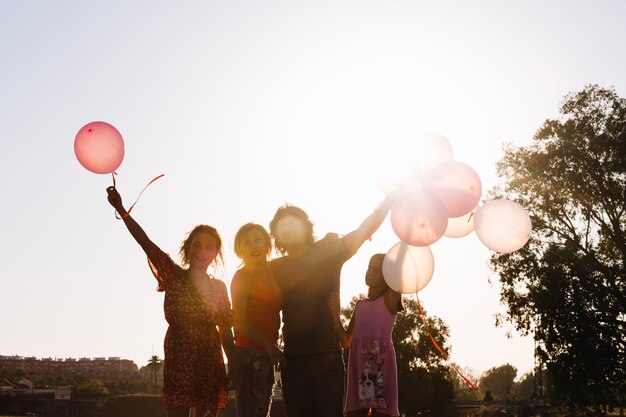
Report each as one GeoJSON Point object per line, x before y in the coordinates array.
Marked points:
{"type": "Point", "coordinates": [133, 227]}
{"type": "Point", "coordinates": [356, 238]}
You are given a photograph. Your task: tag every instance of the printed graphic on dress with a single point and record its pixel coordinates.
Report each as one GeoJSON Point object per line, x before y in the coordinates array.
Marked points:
{"type": "Point", "coordinates": [371, 382]}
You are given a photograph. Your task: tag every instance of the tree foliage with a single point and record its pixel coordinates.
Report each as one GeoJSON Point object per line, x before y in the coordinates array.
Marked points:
{"type": "Point", "coordinates": [154, 363]}
{"type": "Point", "coordinates": [499, 381]}
{"type": "Point", "coordinates": [424, 381]}
{"type": "Point", "coordinates": [567, 285]}
{"type": "Point", "coordinates": [462, 391]}
{"type": "Point", "coordinates": [525, 388]}
{"type": "Point", "coordinates": [93, 386]}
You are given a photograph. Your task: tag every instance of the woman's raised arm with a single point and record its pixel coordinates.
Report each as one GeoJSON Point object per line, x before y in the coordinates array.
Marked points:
{"type": "Point", "coordinates": [133, 227]}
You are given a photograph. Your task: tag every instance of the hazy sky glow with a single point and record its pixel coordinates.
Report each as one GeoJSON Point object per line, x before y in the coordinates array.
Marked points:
{"type": "Point", "coordinates": [245, 106]}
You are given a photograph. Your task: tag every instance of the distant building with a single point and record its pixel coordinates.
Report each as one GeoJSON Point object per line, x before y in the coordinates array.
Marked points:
{"type": "Point", "coordinates": [101, 368]}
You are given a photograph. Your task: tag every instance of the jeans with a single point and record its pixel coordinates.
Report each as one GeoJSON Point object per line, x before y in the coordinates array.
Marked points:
{"type": "Point", "coordinates": [313, 385]}
{"type": "Point", "coordinates": [253, 383]}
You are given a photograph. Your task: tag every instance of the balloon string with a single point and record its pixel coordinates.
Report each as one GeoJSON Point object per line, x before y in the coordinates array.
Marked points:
{"type": "Point", "coordinates": [432, 339]}
{"type": "Point", "coordinates": [117, 216]}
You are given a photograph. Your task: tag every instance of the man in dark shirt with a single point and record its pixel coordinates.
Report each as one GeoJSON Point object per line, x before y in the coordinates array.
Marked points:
{"type": "Point", "coordinates": [309, 271]}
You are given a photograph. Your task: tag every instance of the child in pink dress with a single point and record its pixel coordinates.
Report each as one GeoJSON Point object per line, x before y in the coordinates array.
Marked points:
{"type": "Point", "coordinates": [372, 382]}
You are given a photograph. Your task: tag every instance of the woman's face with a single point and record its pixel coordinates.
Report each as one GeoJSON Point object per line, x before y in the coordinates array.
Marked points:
{"type": "Point", "coordinates": [291, 231]}
{"type": "Point", "coordinates": [203, 250]}
{"type": "Point", "coordinates": [374, 275]}
{"type": "Point", "coordinates": [254, 247]}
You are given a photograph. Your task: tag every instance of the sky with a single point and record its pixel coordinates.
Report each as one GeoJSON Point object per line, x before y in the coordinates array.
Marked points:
{"type": "Point", "coordinates": [245, 106]}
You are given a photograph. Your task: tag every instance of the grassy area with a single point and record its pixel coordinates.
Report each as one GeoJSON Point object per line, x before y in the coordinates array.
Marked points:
{"type": "Point", "coordinates": [132, 406]}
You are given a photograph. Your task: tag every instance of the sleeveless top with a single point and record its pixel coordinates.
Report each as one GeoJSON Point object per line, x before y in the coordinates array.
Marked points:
{"type": "Point", "coordinates": [263, 312]}
{"type": "Point", "coordinates": [372, 376]}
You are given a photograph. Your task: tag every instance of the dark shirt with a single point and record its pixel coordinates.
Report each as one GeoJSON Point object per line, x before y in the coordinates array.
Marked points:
{"type": "Point", "coordinates": [306, 282]}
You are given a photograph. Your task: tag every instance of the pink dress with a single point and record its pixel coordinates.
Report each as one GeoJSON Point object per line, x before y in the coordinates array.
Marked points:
{"type": "Point", "coordinates": [372, 375]}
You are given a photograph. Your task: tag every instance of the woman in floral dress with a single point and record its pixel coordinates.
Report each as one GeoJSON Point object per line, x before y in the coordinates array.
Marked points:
{"type": "Point", "coordinates": [196, 306]}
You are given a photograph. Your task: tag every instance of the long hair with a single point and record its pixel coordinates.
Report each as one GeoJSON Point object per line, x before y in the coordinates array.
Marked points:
{"type": "Point", "coordinates": [186, 244]}
{"type": "Point", "coordinates": [298, 213]}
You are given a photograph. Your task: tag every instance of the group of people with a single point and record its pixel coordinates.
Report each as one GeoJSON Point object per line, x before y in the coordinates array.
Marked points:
{"type": "Point", "coordinates": [303, 284]}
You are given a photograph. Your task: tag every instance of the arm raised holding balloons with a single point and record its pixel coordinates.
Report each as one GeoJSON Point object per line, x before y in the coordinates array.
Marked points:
{"type": "Point", "coordinates": [355, 239]}
{"type": "Point", "coordinates": [133, 227]}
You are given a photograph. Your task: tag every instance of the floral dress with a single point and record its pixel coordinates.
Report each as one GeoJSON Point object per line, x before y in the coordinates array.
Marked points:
{"type": "Point", "coordinates": [194, 373]}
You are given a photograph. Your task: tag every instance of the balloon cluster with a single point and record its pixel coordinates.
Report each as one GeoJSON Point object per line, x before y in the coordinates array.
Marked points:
{"type": "Point", "coordinates": [441, 198]}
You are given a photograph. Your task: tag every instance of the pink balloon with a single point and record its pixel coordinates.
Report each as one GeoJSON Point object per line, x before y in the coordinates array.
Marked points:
{"type": "Point", "coordinates": [408, 269]}
{"type": "Point", "coordinates": [456, 184]}
{"type": "Point", "coordinates": [419, 218]}
{"type": "Point", "coordinates": [99, 147]}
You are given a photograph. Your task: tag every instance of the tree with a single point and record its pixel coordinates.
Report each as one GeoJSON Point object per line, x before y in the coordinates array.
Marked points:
{"type": "Point", "coordinates": [424, 380]}
{"type": "Point", "coordinates": [525, 389]}
{"type": "Point", "coordinates": [79, 378]}
{"type": "Point", "coordinates": [499, 381]}
{"type": "Point", "coordinates": [19, 373]}
{"type": "Point", "coordinates": [154, 364]}
{"type": "Point", "coordinates": [93, 386]}
{"type": "Point", "coordinates": [567, 285]}
{"type": "Point", "coordinates": [130, 385]}
{"type": "Point", "coordinates": [462, 391]}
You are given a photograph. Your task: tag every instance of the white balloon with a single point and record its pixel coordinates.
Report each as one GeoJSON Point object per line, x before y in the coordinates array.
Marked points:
{"type": "Point", "coordinates": [502, 225]}
{"type": "Point", "coordinates": [461, 226]}
{"type": "Point", "coordinates": [407, 269]}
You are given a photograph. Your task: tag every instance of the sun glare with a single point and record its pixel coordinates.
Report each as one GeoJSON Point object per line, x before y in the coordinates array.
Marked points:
{"type": "Point", "coordinates": [403, 165]}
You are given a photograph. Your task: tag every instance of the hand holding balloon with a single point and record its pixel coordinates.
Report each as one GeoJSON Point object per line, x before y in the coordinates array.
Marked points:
{"type": "Point", "coordinates": [115, 199]}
